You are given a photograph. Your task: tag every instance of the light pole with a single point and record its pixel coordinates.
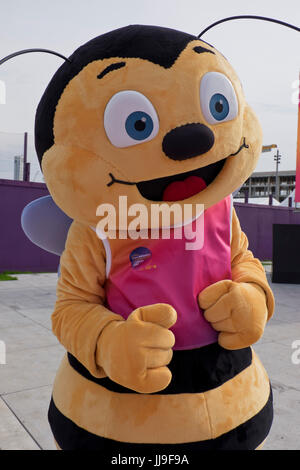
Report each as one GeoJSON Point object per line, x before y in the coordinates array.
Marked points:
{"type": "Point", "coordinates": [277, 159]}
{"type": "Point", "coordinates": [26, 164]}
{"type": "Point", "coordinates": [268, 148]}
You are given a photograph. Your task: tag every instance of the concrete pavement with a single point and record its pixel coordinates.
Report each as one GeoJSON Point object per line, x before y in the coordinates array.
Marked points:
{"type": "Point", "coordinates": [33, 355]}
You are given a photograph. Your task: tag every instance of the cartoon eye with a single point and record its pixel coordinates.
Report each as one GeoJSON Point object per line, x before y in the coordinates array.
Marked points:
{"type": "Point", "coordinates": [139, 125]}
{"type": "Point", "coordinates": [219, 106]}
{"type": "Point", "coordinates": [217, 98]}
{"type": "Point", "coordinates": [130, 119]}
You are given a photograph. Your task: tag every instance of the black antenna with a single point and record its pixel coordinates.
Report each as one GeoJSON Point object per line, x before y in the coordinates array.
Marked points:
{"type": "Point", "coordinates": [25, 51]}
{"type": "Point", "coordinates": [250, 17]}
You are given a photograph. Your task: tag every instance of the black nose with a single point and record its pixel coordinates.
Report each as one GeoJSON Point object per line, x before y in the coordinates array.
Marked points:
{"type": "Point", "coordinates": [188, 141]}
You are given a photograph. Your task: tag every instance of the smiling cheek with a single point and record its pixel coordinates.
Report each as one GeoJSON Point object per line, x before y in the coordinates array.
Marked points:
{"type": "Point", "coordinates": [228, 137]}
{"type": "Point", "coordinates": [253, 132]}
{"type": "Point", "coordinates": [76, 180]}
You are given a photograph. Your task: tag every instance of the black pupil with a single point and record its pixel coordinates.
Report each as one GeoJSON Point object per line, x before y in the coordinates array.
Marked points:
{"type": "Point", "coordinates": [139, 125]}
{"type": "Point", "coordinates": [219, 106]}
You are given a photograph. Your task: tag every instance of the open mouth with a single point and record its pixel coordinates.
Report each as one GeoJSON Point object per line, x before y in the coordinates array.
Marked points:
{"type": "Point", "coordinates": [181, 186]}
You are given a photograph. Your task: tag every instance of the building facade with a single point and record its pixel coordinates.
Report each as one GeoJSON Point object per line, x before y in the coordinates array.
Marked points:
{"type": "Point", "coordinates": [262, 184]}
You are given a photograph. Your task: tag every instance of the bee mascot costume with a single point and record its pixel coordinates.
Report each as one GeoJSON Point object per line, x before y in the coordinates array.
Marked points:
{"type": "Point", "coordinates": [158, 336]}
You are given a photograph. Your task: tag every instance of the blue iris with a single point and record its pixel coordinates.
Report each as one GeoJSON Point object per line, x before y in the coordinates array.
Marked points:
{"type": "Point", "coordinates": [139, 125]}
{"type": "Point", "coordinates": [219, 106]}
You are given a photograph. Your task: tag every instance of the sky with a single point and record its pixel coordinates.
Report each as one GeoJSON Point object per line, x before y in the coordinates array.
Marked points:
{"type": "Point", "coordinates": [264, 55]}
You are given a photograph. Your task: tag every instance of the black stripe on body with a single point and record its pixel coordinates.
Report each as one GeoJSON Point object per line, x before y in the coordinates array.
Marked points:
{"type": "Point", "coordinates": [193, 370]}
{"type": "Point", "coordinates": [246, 436]}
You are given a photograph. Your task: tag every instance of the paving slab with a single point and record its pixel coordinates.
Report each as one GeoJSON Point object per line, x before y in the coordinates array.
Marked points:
{"type": "Point", "coordinates": [277, 360]}
{"type": "Point", "coordinates": [39, 315]}
{"type": "Point", "coordinates": [30, 368]}
{"type": "Point", "coordinates": [31, 407]}
{"type": "Point", "coordinates": [281, 332]}
{"type": "Point", "coordinates": [285, 431]}
{"type": "Point", "coordinates": [27, 336]}
{"type": "Point", "coordinates": [10, 318]}
{"type": "Point", "coordinates": [287, 313]}
{"type": "Point", "coordinates": [13, 436]}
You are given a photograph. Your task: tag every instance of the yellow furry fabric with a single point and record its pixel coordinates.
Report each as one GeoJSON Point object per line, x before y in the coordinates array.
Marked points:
{"type": "Point", "coordinates": [134, 353]}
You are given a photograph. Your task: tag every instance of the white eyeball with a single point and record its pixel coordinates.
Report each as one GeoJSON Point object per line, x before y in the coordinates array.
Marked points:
{"type": "Point", "coordinates": [217, 98]}
{"type": "Point", "coordinates": [130, 119]}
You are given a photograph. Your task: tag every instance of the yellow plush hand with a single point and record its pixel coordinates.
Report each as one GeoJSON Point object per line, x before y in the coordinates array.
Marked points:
{"type": "Point", "coordinates": [237, 310]}
{"type": "Point", "coordinates": [135, 352]}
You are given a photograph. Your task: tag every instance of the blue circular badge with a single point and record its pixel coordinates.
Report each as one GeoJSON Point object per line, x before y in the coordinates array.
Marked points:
{"type": "Point", "coordinates": [139, 255]}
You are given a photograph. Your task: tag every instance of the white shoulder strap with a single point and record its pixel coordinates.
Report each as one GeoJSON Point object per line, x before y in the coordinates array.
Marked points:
{"type": "Point", "coordinates": [106, 245]}
{"type": "Point", "coordinates": [231, 212]}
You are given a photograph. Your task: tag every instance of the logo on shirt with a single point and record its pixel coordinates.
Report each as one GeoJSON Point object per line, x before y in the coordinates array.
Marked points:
{"type": "Point", "coordinates": [139, 256]}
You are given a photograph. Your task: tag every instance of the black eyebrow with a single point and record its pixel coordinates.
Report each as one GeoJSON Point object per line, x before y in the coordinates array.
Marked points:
{"type": "Point", "coordinates": [111, 67]}
{"type": "Point", "coordinates": [200, 49]}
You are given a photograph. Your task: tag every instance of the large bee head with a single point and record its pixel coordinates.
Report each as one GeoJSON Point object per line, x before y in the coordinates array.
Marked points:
{"type": "Point", "coordinates": [149, 113]}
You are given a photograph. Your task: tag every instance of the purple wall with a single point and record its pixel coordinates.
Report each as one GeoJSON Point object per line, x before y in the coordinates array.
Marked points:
{"type": "Point", "coordinates": [17, 253]}
{"type": "Point", "coordinates": [257, 221]}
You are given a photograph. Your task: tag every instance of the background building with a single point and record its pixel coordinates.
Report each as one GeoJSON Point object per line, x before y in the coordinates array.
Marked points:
{"type": "Point", "coordinates": [262, 184]}
{"type": "Point", "coordinates": [18, 167]}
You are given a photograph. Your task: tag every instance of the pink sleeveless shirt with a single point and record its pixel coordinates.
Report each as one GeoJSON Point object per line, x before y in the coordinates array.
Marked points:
{"type": "Point", "coordinates": [149, 271]}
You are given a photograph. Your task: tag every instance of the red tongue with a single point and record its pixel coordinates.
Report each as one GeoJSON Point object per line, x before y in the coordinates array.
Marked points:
{"type": "Point", "coordinates": [179, 190]}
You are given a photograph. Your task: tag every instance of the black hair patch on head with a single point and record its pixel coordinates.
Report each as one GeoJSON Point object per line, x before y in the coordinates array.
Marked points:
{"type": "Point", "coordinates": [158, 45]}
{"type": "Point", "coordinates": [110, 68]}
{"type": "Point", "coordinates": [200, 50]}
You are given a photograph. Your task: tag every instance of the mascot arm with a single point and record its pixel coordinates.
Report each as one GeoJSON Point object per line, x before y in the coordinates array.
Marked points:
{"type": "Point", "coordinates": [79, 315]}
{"type": "Point", "coordinates": [239, 308]}
{"type": "Point", "coordinates": [132, 352]}
{"type": "Point", "coordinates": [246, 268]}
